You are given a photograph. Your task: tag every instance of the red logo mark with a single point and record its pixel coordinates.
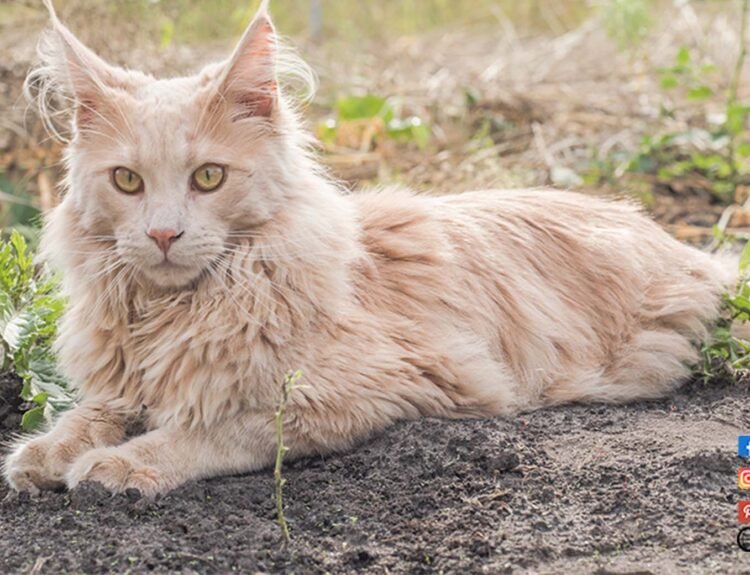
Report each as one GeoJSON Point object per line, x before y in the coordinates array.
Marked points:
{"type": "Point", "coordinates": [743, 511]}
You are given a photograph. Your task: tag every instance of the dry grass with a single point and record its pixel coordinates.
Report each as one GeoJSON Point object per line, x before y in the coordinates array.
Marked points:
{"type": "Point", "coordinates": [546, 105]}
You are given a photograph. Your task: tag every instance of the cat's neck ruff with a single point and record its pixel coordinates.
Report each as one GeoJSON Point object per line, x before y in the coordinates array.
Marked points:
{"type": "Point", "coordinates": [268, 286]}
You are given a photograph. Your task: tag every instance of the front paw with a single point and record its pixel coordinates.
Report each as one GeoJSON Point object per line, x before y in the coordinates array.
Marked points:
{"type": "Point", "coordinates": [37, 464]}
{"type": "Point", "coordinates": [114, 468]}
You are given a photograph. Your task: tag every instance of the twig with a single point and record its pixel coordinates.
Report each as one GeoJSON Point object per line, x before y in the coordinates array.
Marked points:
{"type": "Point", "coordinates": [290, 384]}
{"type": "Point", "coordinates": [39, 565]}
{"type": "Point", "coordinates": [541, 145]}
{"type": "Point", "coordinates": [721, 226]}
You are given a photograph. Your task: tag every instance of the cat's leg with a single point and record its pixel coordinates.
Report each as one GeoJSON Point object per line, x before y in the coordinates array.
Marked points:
{"type": "Point", "coordinates": [41, 462]}
{"type": "Point", "coordinates": [164, 458]}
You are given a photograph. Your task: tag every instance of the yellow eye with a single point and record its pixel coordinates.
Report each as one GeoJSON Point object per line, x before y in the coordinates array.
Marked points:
{"type": "Point", "coordinates": [208, 177]}
{"type": "Point", "coordinates": [127, 180]}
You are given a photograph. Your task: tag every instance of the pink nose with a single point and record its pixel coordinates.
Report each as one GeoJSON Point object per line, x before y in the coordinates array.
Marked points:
{"type": "Point", "coordinates": [164, 238]}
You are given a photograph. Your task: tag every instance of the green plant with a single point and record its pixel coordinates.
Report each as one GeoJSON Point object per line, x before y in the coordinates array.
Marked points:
{"type": "Point", "coordinates": [728, 353]}
{"type": "Point", "coordinates": [694, 78]}
{"type": "Point", "coordinates": [29, 309]}
{"type": "Point", "coordinates": [291, 382]}
{"type": "Point", "coordinates": [737, 112]}
{"type": "Point", "coordinates": [716, 152]}
{"type": "Point", "coordinates": [379, 115]}
{"type": "Point", "coordinates": [627, 21]}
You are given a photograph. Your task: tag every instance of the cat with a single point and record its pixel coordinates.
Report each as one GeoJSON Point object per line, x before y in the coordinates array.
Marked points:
{"type": "Point", "coordinates": [205, 254]}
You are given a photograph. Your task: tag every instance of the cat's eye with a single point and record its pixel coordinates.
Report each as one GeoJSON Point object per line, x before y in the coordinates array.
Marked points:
{"type": "Point", "coordinates": [208, 177]}
{"type": "Point", "coordinates": [127, 180]}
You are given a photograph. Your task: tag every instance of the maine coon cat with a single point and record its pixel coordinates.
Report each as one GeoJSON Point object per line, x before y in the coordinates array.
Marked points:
{"type": "Point", "coordinates": [205, 255]}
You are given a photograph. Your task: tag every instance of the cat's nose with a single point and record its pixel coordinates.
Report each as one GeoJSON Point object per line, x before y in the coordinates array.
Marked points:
{"type": "Point", "coordinates": [164, 238]}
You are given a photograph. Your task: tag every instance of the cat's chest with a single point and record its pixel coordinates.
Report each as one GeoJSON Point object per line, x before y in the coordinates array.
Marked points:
{"type": "Point", "coordinates": [182, 339]}
{"type": "Point", "coordinates": [195, 357]}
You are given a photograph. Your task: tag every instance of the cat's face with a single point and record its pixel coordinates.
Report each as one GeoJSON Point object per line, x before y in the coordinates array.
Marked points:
{"type": "Point", "coordinates": [172, 192]}
{"type": "Point", "coordinates": [173, 172]}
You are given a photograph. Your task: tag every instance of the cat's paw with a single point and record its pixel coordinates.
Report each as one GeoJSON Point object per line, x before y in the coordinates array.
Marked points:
{"type": "Point", "coordinates": [37, 464]}
{"type": "Point", "coordinates": [117, 470]}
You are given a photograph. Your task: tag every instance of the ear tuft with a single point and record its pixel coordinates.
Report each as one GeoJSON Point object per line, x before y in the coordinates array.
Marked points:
{"type": "Point", "coordinates": [249, 83]}
{"type": "Point", "coordinates": [68, 73]}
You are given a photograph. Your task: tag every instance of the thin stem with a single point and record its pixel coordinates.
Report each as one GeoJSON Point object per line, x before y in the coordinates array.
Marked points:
{"type": "Point", "coordinates": [732, 94]}
{"type": "Point", "coordinates": [290, 384]}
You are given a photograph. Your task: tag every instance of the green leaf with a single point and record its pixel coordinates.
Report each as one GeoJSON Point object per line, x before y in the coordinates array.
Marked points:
{"type": "Point", "coordinates": [669, 81]}
{"type": "Point", "coordinates": [741, 304]}
{"type": "Point", "coordinates": [29, 309]}
{"type": "Point", "coordinates": [363, 107]}
{"type": "Point", "coordinates": [167, 33]}
{"type": "Point", "coordinates": [743, 150]}
{"type": "Point", "coordinates": [699, 93]}
{"type": "Point", "coordinates": [736, 115]}
{"type": "Point", "coordinates": [682, 59]}
{"type": "Point", "coordinates": [327, 131]}
{"type": "Point", "coordinates": [412, 129]}
{"type": "Point", "coordinates": [745, 258]}
{"type": "Point", "coordinates": [33, 418]}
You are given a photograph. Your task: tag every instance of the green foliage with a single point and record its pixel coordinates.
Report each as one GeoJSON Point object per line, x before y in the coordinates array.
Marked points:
{"type": "Point", "coordinates": [680, 155]}
{"type": "Point", "coordinates": [363, 108]}
{"type": "Point", "coordinates": [29, 309]}
{"type": "Point", "coordinates": [728, 353]}
{"type": "Point", "coordinates": [627, 21]}
{"type": "Point", "coordinates": [374, 109]}
{"type": "Point", "coordinates": [716, 153]}
{"type": "Point", "coordinates": [693, 78]}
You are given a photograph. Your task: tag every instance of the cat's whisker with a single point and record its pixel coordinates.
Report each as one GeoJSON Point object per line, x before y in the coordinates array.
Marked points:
{"type": "Point", "coordinates": [103, 298]}
{"type": "Point", "coordinates": [93, 251]}
{"type": "Point", "coordinates": [107, 270]}
{"type": "Point", "coordinates": [102, 239]}
{"type": "Point", "coordinates": [241, 309]}
{"type": "Point", "coordinates": [256, 296]}
{"type": "Point", "coordinates": [280, 255]}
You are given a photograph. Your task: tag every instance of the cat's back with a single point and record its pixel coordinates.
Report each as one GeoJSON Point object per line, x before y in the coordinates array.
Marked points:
{"type": "Point", "coordinates": [570, 228]}
{"type": "Point", "coordinates": [551, 282]}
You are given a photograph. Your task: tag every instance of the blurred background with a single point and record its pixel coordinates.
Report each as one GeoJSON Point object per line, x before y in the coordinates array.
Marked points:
{"type": "Point", "coordinates": [642, 98]}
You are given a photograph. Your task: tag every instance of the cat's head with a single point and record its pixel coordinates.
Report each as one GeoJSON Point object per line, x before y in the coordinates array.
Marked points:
{"type": "Point", "coordinates": [166, 172]}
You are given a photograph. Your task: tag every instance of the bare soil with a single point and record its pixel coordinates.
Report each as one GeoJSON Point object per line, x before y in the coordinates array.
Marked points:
{"type": "Point", "coordinates": [643, 488]}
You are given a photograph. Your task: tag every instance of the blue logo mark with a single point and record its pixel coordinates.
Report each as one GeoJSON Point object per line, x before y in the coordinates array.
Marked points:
{"type": "Point", "coordinates": [743, 446]}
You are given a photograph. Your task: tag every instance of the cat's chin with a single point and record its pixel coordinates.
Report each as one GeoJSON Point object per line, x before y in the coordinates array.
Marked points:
{"type": "Point", "coordinates": [169, 275]}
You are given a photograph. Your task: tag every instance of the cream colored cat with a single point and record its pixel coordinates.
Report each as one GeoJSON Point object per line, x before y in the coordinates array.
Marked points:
{"type": "Point", "coordinates": [205, 255]}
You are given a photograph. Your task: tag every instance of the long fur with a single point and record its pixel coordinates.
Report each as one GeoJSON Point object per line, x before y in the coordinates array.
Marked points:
{"type": "Point", "coordinates": [393, 305]}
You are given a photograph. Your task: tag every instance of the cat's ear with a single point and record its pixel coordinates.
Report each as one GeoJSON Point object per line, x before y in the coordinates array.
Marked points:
{"type": "Point", "coordinates": [248, 82]}
{"type": "Point", "coordinates": [78, 71]}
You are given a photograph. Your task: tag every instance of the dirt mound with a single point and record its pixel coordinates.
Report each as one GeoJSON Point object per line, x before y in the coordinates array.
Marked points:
{"type": "Point", "coordinates": [643, 488]}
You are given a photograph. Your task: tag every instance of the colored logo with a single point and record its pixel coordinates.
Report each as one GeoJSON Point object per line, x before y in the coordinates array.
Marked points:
{"type": "Point", "coordinates": [743, 511]}
{"type": "Point", "coordinates": [743, 478]}
{"type": "Point", "coordinates": [743, 539]}
{"type": "Point", "coordinates": [743, 446]}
